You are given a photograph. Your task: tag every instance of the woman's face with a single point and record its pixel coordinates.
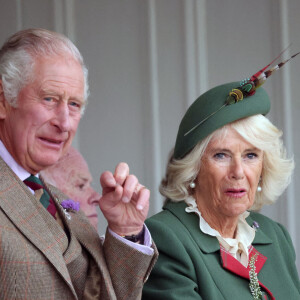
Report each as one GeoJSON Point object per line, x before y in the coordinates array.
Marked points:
{"type": "Point", "coordinates": [229, 175]}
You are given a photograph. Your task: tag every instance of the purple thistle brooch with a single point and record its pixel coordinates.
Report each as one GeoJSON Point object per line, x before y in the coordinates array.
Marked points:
{"type": "Point", "coordinates": [255, 225]}
{"type": "Point", "coordinates": [69, 205]}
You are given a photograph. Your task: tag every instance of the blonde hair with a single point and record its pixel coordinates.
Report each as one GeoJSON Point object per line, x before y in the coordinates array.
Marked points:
{"type": "Point", "coordinates": [258, 131]}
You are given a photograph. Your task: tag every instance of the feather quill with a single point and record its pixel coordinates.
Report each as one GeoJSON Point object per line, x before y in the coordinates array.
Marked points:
{"type": "Point", "coordinates": [248, 86]}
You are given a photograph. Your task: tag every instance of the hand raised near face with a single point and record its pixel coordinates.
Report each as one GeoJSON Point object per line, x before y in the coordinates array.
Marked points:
{"type": "Point", "coordinates": [124, 202]}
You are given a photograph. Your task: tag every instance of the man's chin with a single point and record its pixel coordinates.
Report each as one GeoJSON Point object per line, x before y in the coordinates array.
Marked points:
{"type": "Point", "coordinates": [47, 161]}
{"type": "Point", "coordinates": [94, 220]}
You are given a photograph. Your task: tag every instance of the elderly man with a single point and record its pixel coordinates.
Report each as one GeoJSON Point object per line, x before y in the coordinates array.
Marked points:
{"type": "Point", "coordinates": [72, 176]}
{"type": "Point", "coordinates": [48, 249]}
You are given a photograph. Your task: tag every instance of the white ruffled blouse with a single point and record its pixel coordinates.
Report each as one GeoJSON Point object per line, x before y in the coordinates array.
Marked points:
{"type": "Point", "coordinates": [237, 247]}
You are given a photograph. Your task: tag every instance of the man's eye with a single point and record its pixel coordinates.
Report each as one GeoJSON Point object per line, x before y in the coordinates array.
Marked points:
{"type": "Point", "coordinates": [48, 99]}
{"type": "Point", "coordinates": [75, 105]}
{"type": "Point", "coordinates": [80, 186]}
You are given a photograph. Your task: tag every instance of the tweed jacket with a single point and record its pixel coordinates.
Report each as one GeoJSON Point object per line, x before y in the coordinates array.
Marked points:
{"type": "Point", "coordinates": [32, 265]}
{"type": "Point", "coordinates": [192, 266]}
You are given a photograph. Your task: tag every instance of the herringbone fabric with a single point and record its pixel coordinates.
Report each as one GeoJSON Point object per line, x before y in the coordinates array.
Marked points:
{"type": "Point", "coordinates": [36, 184]}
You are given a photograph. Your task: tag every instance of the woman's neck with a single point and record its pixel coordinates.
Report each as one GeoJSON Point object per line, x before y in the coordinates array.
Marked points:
{"type": "Point", "coordinates": [226, 226]}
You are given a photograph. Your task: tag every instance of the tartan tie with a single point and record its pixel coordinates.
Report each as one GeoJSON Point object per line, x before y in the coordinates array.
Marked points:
{"type": "Point", "coordinates": [36, 184]}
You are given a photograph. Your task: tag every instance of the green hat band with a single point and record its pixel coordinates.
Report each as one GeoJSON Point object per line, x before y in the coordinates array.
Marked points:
{"type": "Point", "coordinates": [212, 111]}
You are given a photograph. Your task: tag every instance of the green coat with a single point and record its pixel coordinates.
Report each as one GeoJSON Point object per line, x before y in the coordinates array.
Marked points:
{"type": "Point", "coordinates": [190, 266]}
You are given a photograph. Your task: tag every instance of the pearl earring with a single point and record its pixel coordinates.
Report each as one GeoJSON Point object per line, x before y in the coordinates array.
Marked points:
{"type": "Point", "coordinates": [192, 185]}
{"type": "Point", "coordinates": [259, 183]}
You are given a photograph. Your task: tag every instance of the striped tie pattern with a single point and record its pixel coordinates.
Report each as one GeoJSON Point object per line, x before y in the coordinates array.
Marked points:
{"type": "Point", "coordinates": [36, 184]}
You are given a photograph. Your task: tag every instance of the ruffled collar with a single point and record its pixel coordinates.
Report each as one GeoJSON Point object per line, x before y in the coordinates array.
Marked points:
{"type": "Point", "coordinates": [237, 247]}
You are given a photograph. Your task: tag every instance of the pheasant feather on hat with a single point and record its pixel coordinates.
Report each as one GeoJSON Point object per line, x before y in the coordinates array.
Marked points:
{"type": "Point", "coordinates": [248, 86]}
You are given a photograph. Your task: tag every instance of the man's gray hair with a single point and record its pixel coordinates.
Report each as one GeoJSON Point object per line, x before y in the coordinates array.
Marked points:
{"type": "Point", "coordinates": [19, 53]}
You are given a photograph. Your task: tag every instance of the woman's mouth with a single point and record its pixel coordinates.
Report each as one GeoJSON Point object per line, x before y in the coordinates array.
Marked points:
{"type": "Point", "coordinates": [237, 193]}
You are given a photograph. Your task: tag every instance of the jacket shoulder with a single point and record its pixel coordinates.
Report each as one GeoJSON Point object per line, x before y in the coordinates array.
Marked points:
{"type": "Point", "coordinates": [266, 224]}
{"type": "Point", "coordinates": [273, 230]}
{"type": "Point", "coordinates": [173, 214]}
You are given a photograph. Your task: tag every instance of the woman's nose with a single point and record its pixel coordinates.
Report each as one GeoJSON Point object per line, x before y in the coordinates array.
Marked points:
{"type": "Point", "coordinates": [236, 169]}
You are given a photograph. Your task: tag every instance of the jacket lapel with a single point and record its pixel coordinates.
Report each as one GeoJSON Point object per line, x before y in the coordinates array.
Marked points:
{"type": "Point", "coordinates": [209, 244]}
{"type": "Point", "coordinates": [78, 225]}
{"type": "Point", "coordinates": [231, 264]}
{"type": "Point", "coordinates": [24, 211]}
{"type": "Point", "coordinates": [206, 243]}
{"type": "Point", "coordinates": [234, 266]}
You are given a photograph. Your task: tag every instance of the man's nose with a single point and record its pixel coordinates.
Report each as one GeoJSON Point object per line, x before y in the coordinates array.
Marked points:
{"type": "Point", "coordinates": [94, 197]}
{"type": "Point", "coordinates": [62, 118]}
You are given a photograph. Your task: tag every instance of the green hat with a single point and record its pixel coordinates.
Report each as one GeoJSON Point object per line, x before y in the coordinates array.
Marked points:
{"type": "Point", "coordinates": [216, 108]}
{"type": "Point", "coordinates": [222, 105]}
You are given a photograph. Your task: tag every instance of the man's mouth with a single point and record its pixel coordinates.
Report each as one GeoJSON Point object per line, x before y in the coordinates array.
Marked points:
{"type": "Point", "coordinates": [52, 142]}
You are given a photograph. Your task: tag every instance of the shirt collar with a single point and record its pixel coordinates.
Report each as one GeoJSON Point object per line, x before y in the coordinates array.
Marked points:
{"type": "Point", "coordinates": [16, 168]}
{"type": "Point", "coordinates": [237, 247]}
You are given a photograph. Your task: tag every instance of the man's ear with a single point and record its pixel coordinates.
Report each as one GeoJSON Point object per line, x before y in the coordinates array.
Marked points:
{"type": "Point", "coordinates": [3, 103]}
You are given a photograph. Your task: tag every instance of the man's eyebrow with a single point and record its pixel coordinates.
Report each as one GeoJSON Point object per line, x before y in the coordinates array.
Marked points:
{"type": "Point", "coordinates": [56, 93]}
{"type": "Point", "coordinates": [49, 91]}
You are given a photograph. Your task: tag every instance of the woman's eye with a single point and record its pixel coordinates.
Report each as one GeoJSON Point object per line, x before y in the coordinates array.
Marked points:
{"type": "Point", "coordinates": [252, 155]}
{"type": "Point", "coordinates": [219, 155]}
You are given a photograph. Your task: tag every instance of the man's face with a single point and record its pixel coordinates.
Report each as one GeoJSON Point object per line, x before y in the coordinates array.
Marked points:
{"type": "Point", "coordinates": [72, 176]}
{"type": "Point", "coordinates": [40, 129]}
{"type": "Point", "coordinates": [77, 185]}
